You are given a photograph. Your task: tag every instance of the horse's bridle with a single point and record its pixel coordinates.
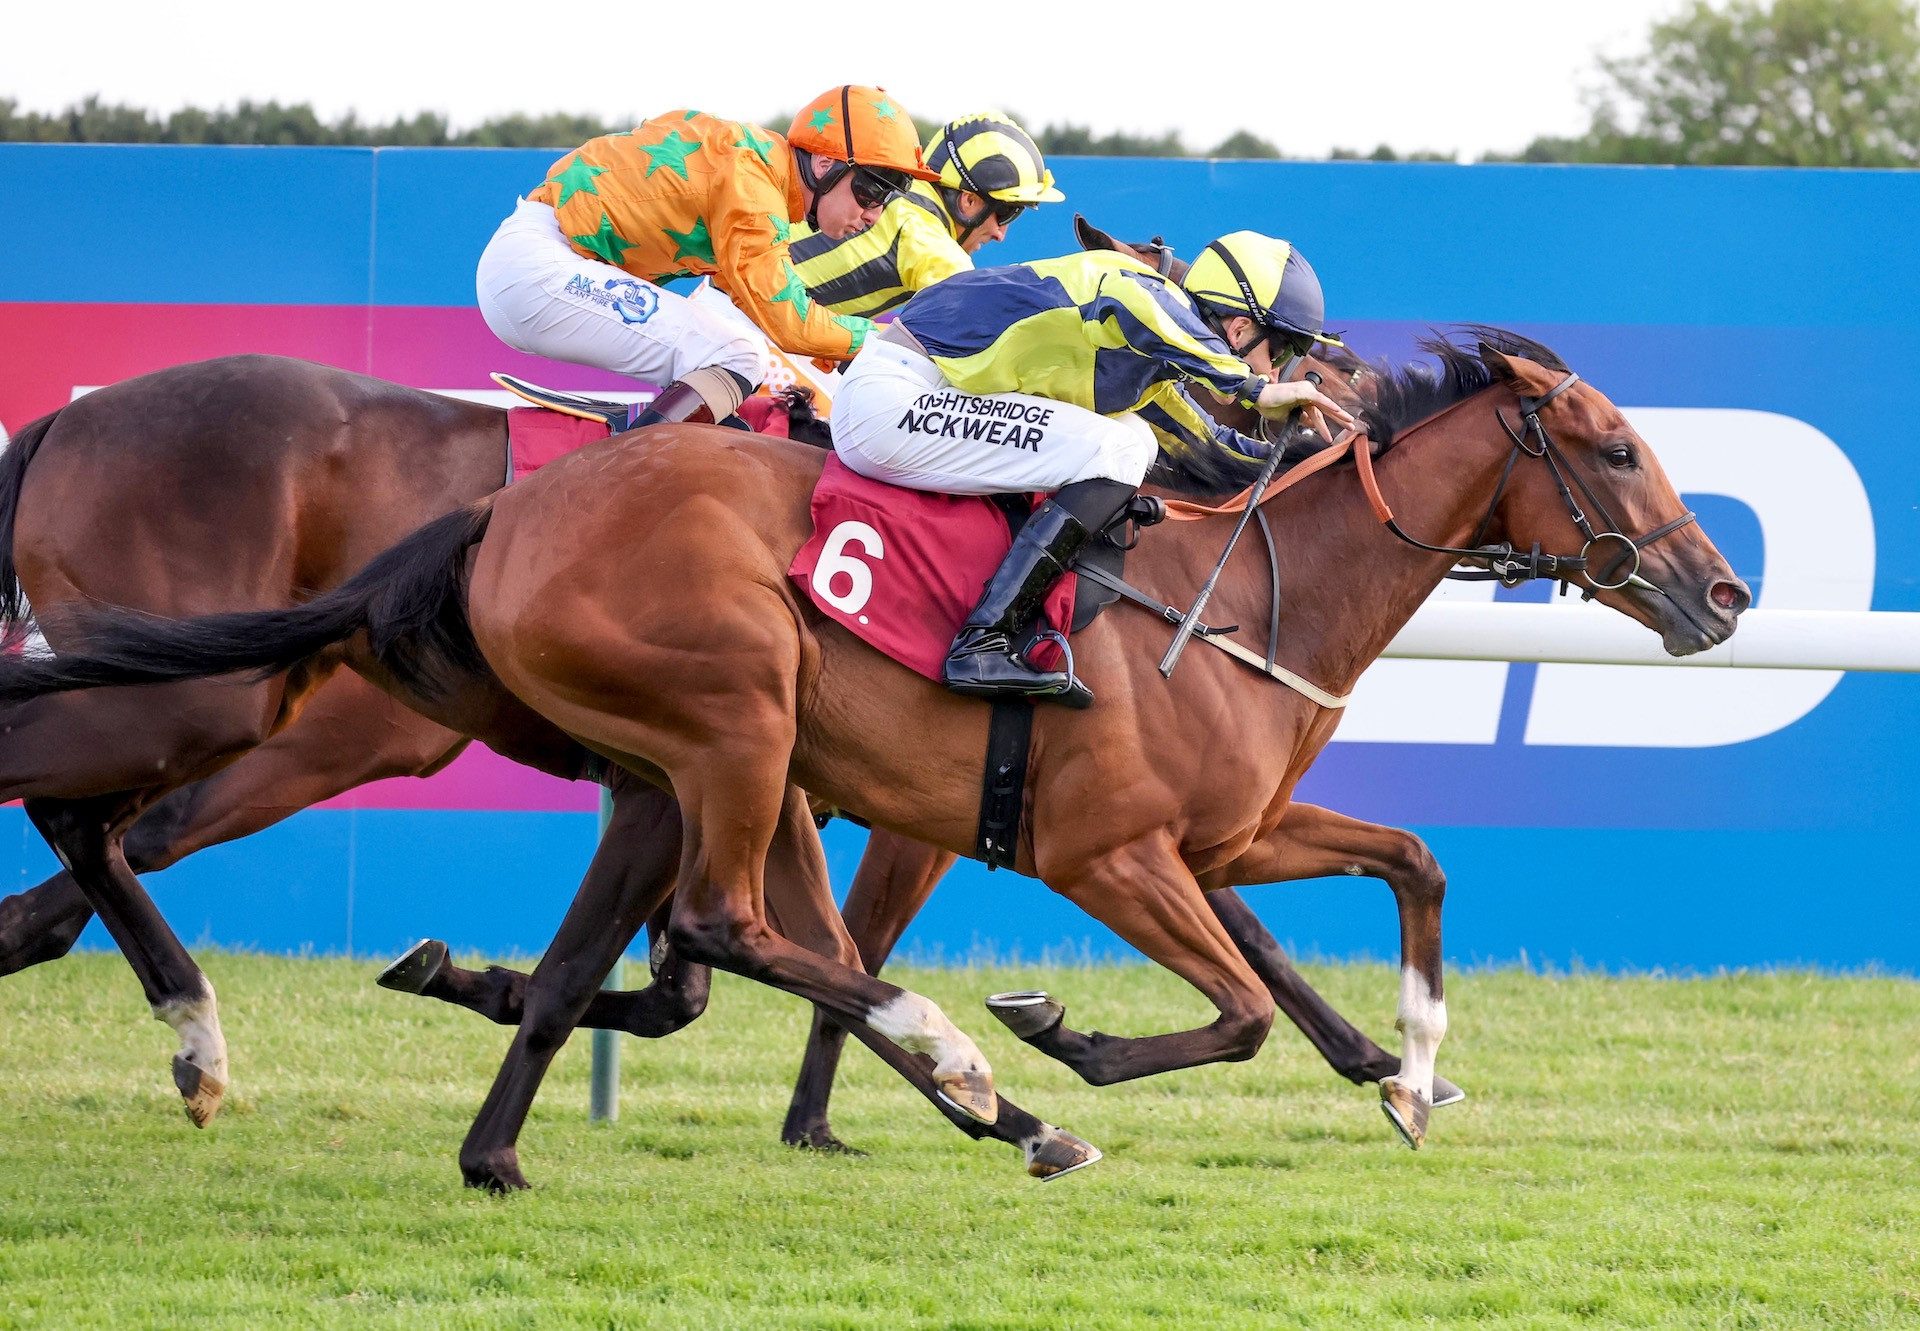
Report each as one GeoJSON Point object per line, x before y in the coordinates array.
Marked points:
{"type": "Point", "coordinates": [1510, 567]}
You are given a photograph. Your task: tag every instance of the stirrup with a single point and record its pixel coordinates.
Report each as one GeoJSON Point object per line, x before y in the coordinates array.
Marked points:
{"type": "Point", "coordinates": [609, 413]}
{"type": "Point", "coordinates": [1073, 693]}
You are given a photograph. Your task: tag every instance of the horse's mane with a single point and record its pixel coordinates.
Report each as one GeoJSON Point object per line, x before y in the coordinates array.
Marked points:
{"type": "Point", "coordinates": [1400, 396]}
{"type": "Point", "coordinates": [1210, 471]}
{"type": "Point", "coordinates": [1408, 394]}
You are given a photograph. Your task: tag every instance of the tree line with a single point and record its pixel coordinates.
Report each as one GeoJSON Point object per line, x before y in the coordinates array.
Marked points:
{"type": "Point", "coordinates": [1737, 83]}
{"type": "Point", "coordinates": [97, 121]}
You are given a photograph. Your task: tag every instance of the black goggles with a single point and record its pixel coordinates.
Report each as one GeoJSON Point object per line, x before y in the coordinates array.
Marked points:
{"type": "Point", "coordinates": [1004, 213]}
{"type": "Point", "coordinates": [874, 185]}
{"type": "Point", "coordinates": [1285, 344]}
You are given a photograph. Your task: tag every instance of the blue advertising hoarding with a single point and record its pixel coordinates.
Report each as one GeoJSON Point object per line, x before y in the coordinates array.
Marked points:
{"type": "Point", "coordinates": [1759, 326]}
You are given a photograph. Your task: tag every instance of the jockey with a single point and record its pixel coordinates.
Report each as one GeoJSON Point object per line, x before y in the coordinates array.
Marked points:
{"type": "Point", "coordinates": [1067, 375]}
{"type": "Point", "coordinates": [573, 274]}
{"type": "Point", "coordinates": [990, 171]}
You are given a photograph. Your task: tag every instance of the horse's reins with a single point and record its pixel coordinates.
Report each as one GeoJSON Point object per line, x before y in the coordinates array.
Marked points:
{"type": "Point", "coordinates": [1502, 562]}
{"type": "Point", "coordinates": [1508, 566]}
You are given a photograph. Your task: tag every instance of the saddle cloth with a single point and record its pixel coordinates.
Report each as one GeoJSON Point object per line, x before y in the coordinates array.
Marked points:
{"type": "Point", "coordinates": [900, 569]}
{"type": "Point", "coordinates": [537, 435]}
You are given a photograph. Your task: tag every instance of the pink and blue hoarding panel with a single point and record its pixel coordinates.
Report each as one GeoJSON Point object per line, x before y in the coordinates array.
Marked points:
{"type": "Point", "coordinates": [1761, 327]}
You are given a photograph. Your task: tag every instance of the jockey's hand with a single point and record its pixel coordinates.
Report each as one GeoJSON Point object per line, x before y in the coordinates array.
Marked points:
{"type": "Point", "coordinates": [1279, 401]}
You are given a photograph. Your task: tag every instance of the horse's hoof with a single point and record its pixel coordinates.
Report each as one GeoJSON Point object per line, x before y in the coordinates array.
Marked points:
{"type": "Point", "coordinates": [1445, 1092]}
{"type": "Point", "coordinates": [201, 1090]}
{"type": "Point", "coordinates": [416, 968]}
{"type": "Point", "coordinates": [821, 1139]}
{"type": "Point", "coordinates": [1028, 1013]}
{"type": "Point", "coordinates": [497, 1172]}
{"type": "Point", "coordinates": [969, 1092]}
{"type": "Point", "coordinates": [1058, 1154]}
{"type": "Point", "coordinates": [1406, 1109]}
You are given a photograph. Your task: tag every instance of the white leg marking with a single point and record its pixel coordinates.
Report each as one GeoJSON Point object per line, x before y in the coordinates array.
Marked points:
{"type": "Point", "coordinates": [197, 1020]}
{"type": "Point", "coordinates": [919, 1027]}
{"type": "Point", "coordinates": [1423, 1021]}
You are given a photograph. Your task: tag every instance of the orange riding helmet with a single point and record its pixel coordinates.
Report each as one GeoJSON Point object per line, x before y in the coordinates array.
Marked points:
{"type": "Point", "coordinates": [860, 126]}
{"type": "Point", "coordinates": [860, 131]}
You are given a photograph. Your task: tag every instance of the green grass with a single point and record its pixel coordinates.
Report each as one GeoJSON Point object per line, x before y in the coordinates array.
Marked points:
{"type": "Point", "coordinates": [1730, 1152]}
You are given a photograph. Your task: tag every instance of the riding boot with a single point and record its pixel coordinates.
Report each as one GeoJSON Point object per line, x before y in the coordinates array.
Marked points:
{"type": "Point", "coordinates": [982, 662]}
{"type": "Point", "coordinates": [675, 402]}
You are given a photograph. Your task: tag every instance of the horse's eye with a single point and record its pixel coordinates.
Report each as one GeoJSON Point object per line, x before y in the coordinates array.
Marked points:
{"type": "Point", "coordinates": [1619, 455]}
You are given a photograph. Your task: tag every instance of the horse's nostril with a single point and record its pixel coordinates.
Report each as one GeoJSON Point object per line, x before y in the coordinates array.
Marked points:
{"type": "Point", "coordinates": [1732, 596]}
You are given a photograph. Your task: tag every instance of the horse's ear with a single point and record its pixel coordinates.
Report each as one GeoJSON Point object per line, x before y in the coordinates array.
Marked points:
{"type": "Point", "coordinates": [1529, 378]}
{"type": "Point", "coordinates": [1496, 360]}
{"type": "Point", "coordinates": [1090, 236]}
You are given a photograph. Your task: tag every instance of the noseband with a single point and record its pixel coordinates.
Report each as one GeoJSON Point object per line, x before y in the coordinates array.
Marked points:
{"type": "Point", "coordinates": [1508, 566]}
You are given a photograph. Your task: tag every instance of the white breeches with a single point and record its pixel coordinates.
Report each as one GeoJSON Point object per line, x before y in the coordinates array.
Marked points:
{"type": "Point", "coordinates": [539, 296]}
{"type": "Point", "coordinates": [897, 420]}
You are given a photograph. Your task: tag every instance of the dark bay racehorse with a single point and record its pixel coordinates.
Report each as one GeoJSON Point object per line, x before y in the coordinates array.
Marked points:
{"type": "Point", "coordinates": [282, 457]}
{"type": "Point", "coordinates": [253, 481]}
{"type": "Point", "coordinates": [571, 589]}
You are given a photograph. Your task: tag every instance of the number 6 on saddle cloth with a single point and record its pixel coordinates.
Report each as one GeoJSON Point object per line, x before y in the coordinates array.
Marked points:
{"type": "Point", "coordinates": [899, 569]}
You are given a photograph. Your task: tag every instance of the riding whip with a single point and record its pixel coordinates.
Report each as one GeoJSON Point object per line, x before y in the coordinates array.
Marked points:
{"type": "Point", "coordinates": [1192, 618]}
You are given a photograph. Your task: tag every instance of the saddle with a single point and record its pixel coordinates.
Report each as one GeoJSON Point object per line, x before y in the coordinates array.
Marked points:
{"type": "Point", "coordinates": [786, 414]}
{"type": "Point", "coordinates": [608, 414]}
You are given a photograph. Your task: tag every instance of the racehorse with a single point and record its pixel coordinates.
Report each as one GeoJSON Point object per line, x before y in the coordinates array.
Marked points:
{"type": "Point", "coordinates": [252, 481]}
{"type": "Point", "coordinates": [570, 590]}
{"type": "Point", "coordinates": [267, 517]}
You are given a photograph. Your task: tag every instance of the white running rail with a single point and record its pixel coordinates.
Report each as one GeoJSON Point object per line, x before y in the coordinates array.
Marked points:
{"type": "Point", "coordinates": [1882, 640]}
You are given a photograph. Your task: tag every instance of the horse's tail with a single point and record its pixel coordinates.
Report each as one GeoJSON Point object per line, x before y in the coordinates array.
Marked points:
{"type": "Point", "coordinates": [15, 618]}
{"type": "Point", "coordinates": [409, 601]}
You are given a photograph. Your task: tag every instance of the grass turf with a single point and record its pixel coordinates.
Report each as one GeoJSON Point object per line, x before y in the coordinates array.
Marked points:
{"type": "Point", "coordinates": [1734, 1151]}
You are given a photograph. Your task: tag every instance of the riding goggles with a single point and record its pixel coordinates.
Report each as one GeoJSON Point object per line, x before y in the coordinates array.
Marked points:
{"type": "Point", "coordinates": [874, 185]}
{"type": "Point", "coordinates": [1287, 344]}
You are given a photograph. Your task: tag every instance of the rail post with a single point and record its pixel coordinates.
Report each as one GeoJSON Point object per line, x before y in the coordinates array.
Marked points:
{"type": "Point", "coordinates": [603, 1098]}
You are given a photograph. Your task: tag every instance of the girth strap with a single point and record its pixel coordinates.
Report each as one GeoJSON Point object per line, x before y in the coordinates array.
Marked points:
{"type": "Point", "coordinates": [1003, 783]}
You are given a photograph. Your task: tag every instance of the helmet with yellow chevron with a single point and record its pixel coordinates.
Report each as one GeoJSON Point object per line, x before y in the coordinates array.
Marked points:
{"type": "Point", "coordinates": [859, 132]}
{"type": "Point", "coordinates": [990, 157]}
{"type": "Point", "coordinates": [1267, 281]}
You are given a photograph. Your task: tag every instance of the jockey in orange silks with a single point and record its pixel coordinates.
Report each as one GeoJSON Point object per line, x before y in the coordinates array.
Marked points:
{"type": "Point", "coordinates": [574, 273]}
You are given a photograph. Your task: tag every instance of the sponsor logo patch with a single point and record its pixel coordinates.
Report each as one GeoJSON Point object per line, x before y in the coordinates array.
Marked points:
{"type": "Point", "coordinates": [955, 415]}
{"type": "Point", "coordinates": [633, 300]}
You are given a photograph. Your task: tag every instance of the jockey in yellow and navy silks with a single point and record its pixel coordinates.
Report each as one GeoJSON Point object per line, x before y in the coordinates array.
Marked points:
{"type": "Point", "coordinates": [575, 272]}
{"type": "Point", "coordinates": [1070, 375]}
{"type": "Point", "coordinates": [990, 171]}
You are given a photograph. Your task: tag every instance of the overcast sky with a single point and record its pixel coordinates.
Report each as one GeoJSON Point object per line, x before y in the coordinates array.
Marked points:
{"type": "Point", "coordinates": [1465, 75]}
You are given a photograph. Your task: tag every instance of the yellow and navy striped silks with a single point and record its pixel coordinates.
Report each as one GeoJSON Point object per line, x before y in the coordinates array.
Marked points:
{"type": "Point", "coordinates": [909, 248]}
{"type": "Point", "coordinates": [1098, 330]}
{"type": "Point", "coordinates": [990, 155]}
{"type": "Point", "coordinates": [689, 194]}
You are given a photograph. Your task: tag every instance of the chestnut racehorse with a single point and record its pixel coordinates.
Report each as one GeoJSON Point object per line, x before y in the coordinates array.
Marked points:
{"type": "Point", "coordinates": [572, 590]}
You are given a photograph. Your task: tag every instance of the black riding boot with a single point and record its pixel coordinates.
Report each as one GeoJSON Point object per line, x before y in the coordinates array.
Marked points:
{"type": "Point", "coordinates": [982, 662]}
{"type": "Point", "coordinates": [675, 402]}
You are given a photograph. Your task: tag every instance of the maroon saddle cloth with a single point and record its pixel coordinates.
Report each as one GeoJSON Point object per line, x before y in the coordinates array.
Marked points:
{"type": "Point", "coordinates": [900, 569]}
